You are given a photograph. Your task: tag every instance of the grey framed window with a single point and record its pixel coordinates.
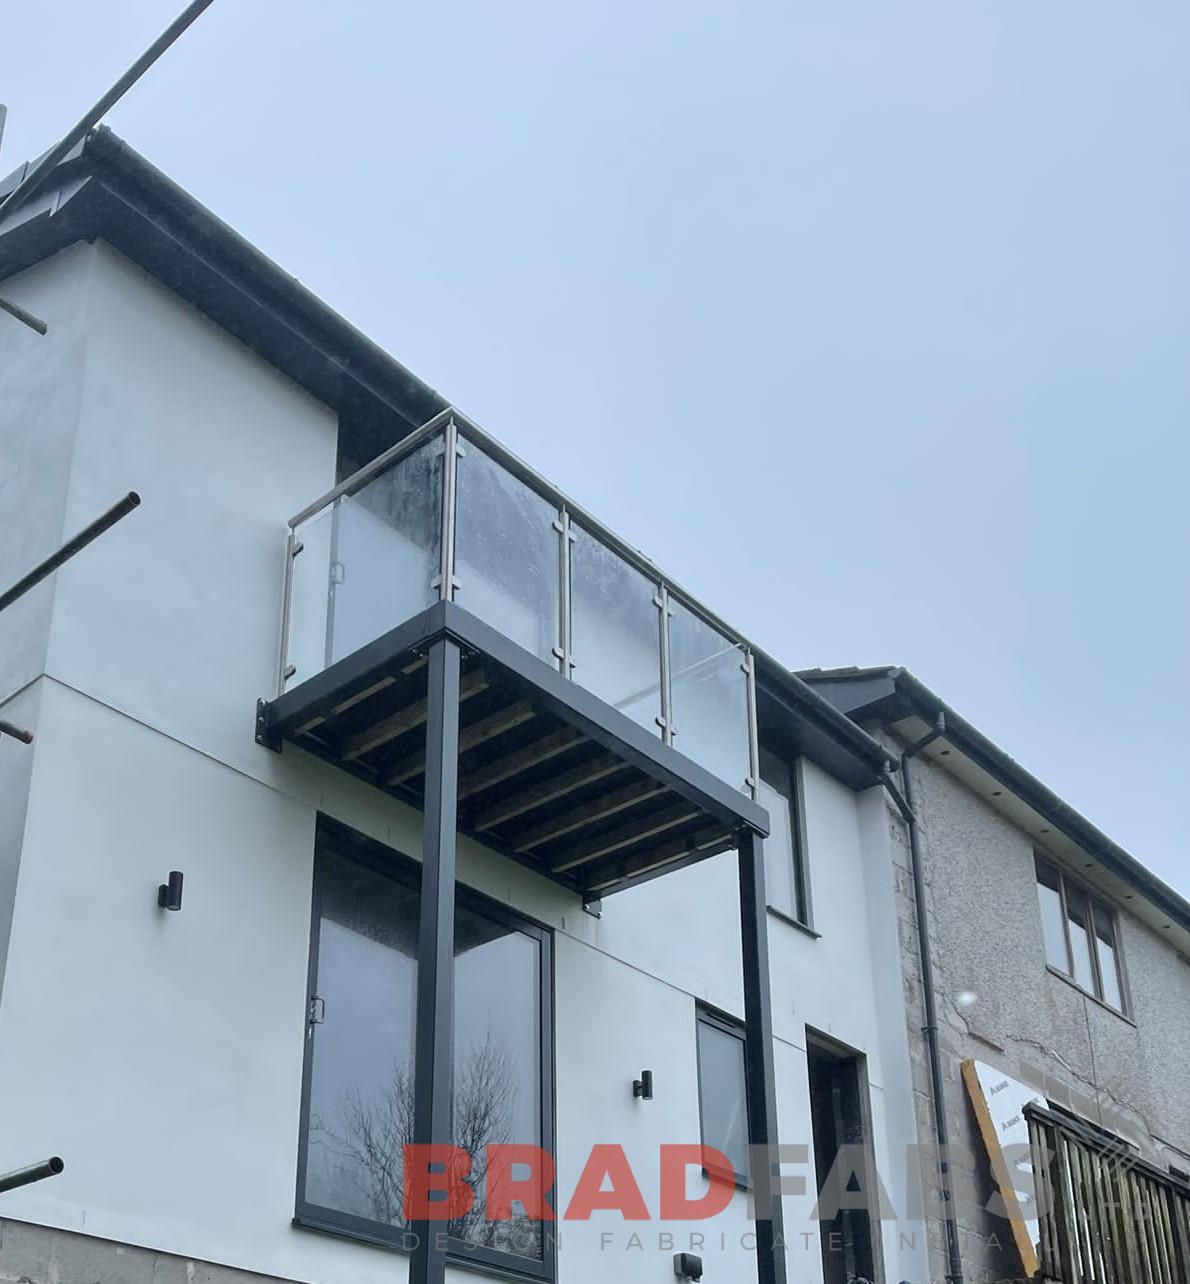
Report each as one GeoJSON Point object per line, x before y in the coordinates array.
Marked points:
{"type": "Point", "coordinates": [787, 878]}
{"type": "Point", "coordinates": [358, 1084]}
{"type": "Point", "coordinates": [722, 1092]}
{"type": "Point", "coordinates": [1079, 930]}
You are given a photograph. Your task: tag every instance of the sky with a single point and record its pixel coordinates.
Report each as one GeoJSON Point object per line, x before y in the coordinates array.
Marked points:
{"type": "Point", "coordinates": [867, 321]}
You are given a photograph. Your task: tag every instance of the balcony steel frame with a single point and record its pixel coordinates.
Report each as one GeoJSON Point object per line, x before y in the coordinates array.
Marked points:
{"type": "Point", "coordinates": [456, 430]}
{"type": "Point", "coordinates": [437, 646]}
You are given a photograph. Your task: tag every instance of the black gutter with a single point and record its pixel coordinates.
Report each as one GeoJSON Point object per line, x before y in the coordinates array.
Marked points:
{"type": "Point", "coordinates": [191, 229]}
{"type": "Point", "coordinates": [906, 804]}
{"type": "Point", "coordinates": [799, 697]}
{"type": "Point", "coordinates": [147, 204]}
{"type": "Point", "coordinates": [1058, 814]}
{"type": "Point", "coordinates": [272, 281]}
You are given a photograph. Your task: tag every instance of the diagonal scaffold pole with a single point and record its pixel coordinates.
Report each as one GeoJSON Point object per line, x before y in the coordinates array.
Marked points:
{"type": "Point", "coordinates": [41, 170]}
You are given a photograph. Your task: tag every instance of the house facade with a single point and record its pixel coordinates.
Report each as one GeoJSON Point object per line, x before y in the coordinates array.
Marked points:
{"type": "Point", "coordinates": [494, 839]}
{"type": "Point", "coordinates": [1062, 985]}
{"type": "Point", "coordinates": [490, 836]}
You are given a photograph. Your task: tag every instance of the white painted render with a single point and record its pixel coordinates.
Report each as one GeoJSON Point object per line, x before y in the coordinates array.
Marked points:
{"type": "Point", "coordinates": [161, 1054]}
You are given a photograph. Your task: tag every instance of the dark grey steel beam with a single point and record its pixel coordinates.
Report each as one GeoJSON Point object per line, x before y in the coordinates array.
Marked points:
{"type": "Point", "coordinates": [759, 1072]}
{"type": "Point", "coordinates": [434, 1056]}
{"type": "Point", "coordinates": [608, 727]}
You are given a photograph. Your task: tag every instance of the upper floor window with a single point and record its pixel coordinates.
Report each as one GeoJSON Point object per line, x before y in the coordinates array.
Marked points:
{"type": "Point", "coordinates": [1080, 935]}
{"type": "Point", "coordinates": [723, 1093]}
{"type": "Point", "coordinates": [359, 1075]}
{"type": "Point", "coordinates": [786, 879]}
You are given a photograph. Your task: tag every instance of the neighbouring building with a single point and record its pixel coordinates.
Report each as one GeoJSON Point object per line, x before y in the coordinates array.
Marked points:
{"type": "Point", "coordinates": [347, 654]}
{"type": "Point", "coordinates": [1062, 980]}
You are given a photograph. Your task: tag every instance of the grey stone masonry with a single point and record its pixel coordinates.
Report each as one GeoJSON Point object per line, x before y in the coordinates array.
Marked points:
{"type": "Point", "coordinates": [998, 1003]}
{"type": "Point", "coordinates": [31, 1254]}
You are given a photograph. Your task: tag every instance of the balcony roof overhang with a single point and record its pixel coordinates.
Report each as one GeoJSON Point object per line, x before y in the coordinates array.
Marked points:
{"type": "Point", "coordinates": [549, 774]}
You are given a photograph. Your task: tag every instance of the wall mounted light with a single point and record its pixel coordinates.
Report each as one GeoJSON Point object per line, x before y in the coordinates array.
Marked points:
{"type": "Point", "coordinates": [643, 1087]}
{"type": "Point", "coordinates": [687, 1266]}
{"type": "Point", "coordinates": [169, 895]}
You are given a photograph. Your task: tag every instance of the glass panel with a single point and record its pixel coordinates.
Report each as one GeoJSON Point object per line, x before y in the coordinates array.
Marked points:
{"type": "Point", "coordinates": [1109, 963]}
{"type": "Point", "coordinates": [497, 1073]}
{"type": "Point", "coordinates": [506, 554]}
{"type": "Point", "coordinates": [781, 848]}
{"type": "Point", "coordinates": [1052, 927]}
{"type": "Point", "coordinates": [722, 1094]}
{"type": "Point", "coordinates": [615, 630]}
{"type": "Point", "coordinates": [710, 696]}
{"type": "Point", "coordinates": [309, 598]}
{"type": "Point", "coordinates": [1078, 909]}
{"type": "Point", "coordinates": [386, 551]}
{"type": "Point", "coordinates": [361, 1078]}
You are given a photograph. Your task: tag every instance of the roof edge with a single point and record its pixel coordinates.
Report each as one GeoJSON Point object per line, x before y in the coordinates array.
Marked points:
{"type": "Point", "coordinates": [1005, 769]}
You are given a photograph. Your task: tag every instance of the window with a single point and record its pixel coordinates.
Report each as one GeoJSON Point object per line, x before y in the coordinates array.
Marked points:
{"type": "Point", "coordinates": [786, 877]}
{"type": "Point", "coordinates": [1080, 935]}
{"type": "Point", "coordinates": [722, 1092]}
{"type": "Point", "coordinates": [359, 1074]}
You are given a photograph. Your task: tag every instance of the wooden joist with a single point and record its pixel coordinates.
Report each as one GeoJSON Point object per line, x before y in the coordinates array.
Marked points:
{"type": "Point", "coordinates": [703, 840]}
{"type": "Point", "coordinates": [539, 751]}
{"type": "Point", "coordinates": [495, 724]}
{"type": "Point", "coordinates": [397, 724]}
{"type": "Point", "coordinates": [547, 791]}
{"type": "Point", "coordinates": [624, 836]}
{"type": "Point", "coordinates": [579, 817]}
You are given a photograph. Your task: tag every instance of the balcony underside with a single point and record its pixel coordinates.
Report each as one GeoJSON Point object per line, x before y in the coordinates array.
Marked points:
{"type": "Point", "coordinates": [548, 773]}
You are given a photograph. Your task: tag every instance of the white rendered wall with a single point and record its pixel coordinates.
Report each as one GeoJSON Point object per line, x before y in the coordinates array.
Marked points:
{"type": "Point", "coordinates": [161, 1054]}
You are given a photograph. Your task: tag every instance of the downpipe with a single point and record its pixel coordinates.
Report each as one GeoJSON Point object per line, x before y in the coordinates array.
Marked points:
{"type": "Point", "coordinates": [905, 801]}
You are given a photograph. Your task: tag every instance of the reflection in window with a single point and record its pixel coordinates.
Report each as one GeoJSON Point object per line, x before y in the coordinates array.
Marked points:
{"type": "Point", "coordinates": [1078, 912]}
{"type": "Point", "coordinates": [785, 872]}
{"type": "Point", "coordinates": [1109, 964]}
{"type": "Point", "coordinates": [1080, 935]}
{"type": "Point", "coordinates": [722, 1091]}
{"type": "Point", "coordinates": [362, 1031]}
{"type": "Point", "coordinates": [507, 552]}
{"type": "Point", "coordinates": [615, 630]}
{"type": "Point", "coordinates": [361, 1063]}
{"type": "Point", "coordinates": [709, 696]}
{"type": "Point", "coordinates": [1053, 917]}
{"type": "Point", "coordinates": [497, 1075]}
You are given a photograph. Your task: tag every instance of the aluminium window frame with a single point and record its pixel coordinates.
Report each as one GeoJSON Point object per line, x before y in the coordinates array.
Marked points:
{"type": "Point", "coordinates": [724, 1024]}
{"type": "Point", "coordinates": [390, 862]}
{"type": "Point", "coordinates": [1094, 897]}
{"type": "Point", "coordinates": [800, 855]}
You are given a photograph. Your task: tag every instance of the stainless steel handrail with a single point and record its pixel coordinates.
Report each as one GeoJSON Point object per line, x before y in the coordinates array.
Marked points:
{"type": "Point", "coordinates": [451, 419]}
{"type": "Point", "coordinates": [532, 478]}
{"type": "Point", "coordinates": [380, 464]}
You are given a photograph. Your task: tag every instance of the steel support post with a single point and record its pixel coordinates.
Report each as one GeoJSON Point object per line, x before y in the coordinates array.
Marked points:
{"type": "Point", "coordinates": [759, 1073]}
{"type": "Point", "coordinates": [435, 970]}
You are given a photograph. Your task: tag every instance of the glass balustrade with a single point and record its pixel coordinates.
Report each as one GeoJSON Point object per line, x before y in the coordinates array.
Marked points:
{"type": "Point", "coordinates": [375, 552]}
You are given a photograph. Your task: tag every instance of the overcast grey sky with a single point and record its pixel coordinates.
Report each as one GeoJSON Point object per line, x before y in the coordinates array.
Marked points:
{"type": "Point", "coordinates": [867, 320]}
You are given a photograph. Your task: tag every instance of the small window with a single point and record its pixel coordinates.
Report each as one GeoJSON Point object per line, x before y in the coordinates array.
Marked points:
{"type": "Point", "coordinates": [359, 1089]}
{"type": "Point", "coordinates": [1079, 931]}
{"type": "Point", "coordinates": [785, 866]}
{"type": "Point", "coordinates": [722, 1092]}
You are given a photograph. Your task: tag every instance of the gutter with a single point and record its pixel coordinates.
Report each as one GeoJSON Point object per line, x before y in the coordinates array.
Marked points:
{"type": "Point", "coordinates": [1059, 814]}
{"type": "Point", "coordinates": [904, 798]}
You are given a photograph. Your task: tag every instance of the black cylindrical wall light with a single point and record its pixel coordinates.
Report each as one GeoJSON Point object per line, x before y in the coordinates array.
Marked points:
{"type": "Point", "coordinates": [169, 895]}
